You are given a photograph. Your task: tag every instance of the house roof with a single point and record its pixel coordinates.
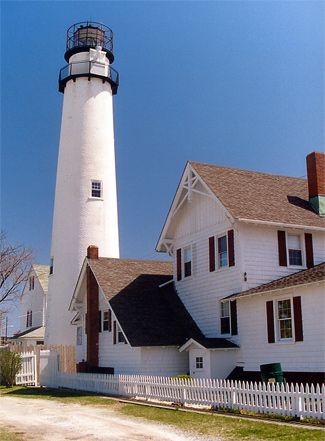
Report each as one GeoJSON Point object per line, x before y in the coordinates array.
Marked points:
{"type": "Point", "coordinates": [149, 314]}
{"type": "Point", "coordinates": [252, 195]}
{"type": "Point", "coordinates": [311, 275]}
{"type": "Point", "coordinates": [42, 273]}
{"type": "Point", "coordinates": [36, 332]}
{"type": "Point", "coordinates": [209, 343]}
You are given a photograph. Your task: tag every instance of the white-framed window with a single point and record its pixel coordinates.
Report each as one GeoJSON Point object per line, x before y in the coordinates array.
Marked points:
{"type": "Point", "coordinates": [31, 283]}
{"type": "Point", "coordinates": [187, 261]}
{"type": "Point", "coordinates": [79, 335]}
{"type": "Point", "coordinates": [222, 251]}
{"type": "Point", "coordinates": [199, 362]}
{"type": "Point", "coordinates": [284, 319]}
{"type": "Point", "coordinates": [107, 320]}
{"type": "Point", "coordinates": [225, 318]}
{"type": "Point", "coordinates": [96, 189]}
{"type": "Point", "coordinates": [294, 249]}
{"type": "Point", "coordinates": [120, 335]}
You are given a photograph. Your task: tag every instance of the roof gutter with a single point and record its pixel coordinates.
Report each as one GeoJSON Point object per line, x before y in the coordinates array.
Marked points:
{"type": "Point", "coordinates": [280, 224]}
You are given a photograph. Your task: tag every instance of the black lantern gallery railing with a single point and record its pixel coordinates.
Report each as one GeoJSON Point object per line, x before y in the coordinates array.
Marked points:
{"type": "Point", "coordinates": [89, 34]}
{"type": "Point", "coordinates": [89, 69]}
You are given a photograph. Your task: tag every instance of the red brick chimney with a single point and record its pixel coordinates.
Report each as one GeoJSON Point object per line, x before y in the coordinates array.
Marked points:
{"type": "Point", "coordinates": [92, 252]}
{"type": "Point", "coordinates": [316, 181]}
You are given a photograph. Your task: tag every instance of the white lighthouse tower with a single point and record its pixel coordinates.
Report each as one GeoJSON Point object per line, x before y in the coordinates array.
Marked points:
{"type": "Point", "coordinates": [85, 208]}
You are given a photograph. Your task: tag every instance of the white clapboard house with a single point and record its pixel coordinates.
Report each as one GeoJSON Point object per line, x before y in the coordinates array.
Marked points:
{"type": "Point", "coordinates": [32, 311]}
{"type": "Point", "coordinates": [245, 288]}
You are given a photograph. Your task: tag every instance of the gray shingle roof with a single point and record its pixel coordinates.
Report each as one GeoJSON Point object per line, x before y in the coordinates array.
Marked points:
{"type": "Point", "coordinates": [149, 315]}
{"type": "Point", "coordinates": [311, 275]}
{"type": "Point", "coordinates": [259, 196]}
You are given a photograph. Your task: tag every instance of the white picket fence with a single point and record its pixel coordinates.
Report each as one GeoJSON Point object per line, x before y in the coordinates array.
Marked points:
{"type": "Point", "coordinates": [282, 399]}
{"type": "Point", "coordinates": [28, 373]}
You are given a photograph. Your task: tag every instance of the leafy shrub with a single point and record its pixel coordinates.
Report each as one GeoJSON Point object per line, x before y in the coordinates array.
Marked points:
{"type": "Point", "coordinates": [10, 365]}
{"type": "Point", "coordinates": [183, 376]}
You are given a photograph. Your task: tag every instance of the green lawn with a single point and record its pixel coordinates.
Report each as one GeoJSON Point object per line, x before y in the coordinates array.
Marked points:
{"type": "Point", "coordinates": [205, 424]}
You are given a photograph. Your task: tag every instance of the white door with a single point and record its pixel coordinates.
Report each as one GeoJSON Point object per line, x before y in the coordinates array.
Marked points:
{"type": "Point", "coordinates": [199, 363]}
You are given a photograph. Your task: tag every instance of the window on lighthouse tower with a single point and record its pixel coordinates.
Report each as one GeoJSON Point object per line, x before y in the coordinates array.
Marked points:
{"type": "Point", "coordinates": [96, 189]}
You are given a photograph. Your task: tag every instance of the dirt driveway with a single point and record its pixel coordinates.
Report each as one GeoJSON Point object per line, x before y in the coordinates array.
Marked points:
{"type": "Point", "coordinates": [44, 420]}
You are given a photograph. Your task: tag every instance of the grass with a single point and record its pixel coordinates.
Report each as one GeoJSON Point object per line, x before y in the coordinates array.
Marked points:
{"type": "Point", "coordinates": [226, 428]}
{"type": "Point", "coordinates": [203, 424]}
{"type": "Point", "coordinates": [10, 436]}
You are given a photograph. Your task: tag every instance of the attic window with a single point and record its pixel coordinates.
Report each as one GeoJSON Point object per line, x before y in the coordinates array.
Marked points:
{"type": "Point", "coordinates": [96, 189]}
{"type": "Point", "coordinates": [31, 283]}
{"type": "Point", "coordinates": [222, 251]}
{"type": "Point", "coordinates": [79, 335]}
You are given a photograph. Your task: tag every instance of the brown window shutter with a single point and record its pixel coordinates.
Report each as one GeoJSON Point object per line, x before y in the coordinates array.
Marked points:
{"type": "Point", "coordinates": [298, 318]}
{"type": "Point", "coordinates": [270, 322]}
{"type": "Point", "coordinates": [212, 254]}
{"type": "Point", "coordinates": [109, 320]}
{"type": "Point", "coordinates": [86, 323]}
{"type": "Point", "coordinates": [282, 248]}
{"type": "Point", "coordinates": [179, 263]}
{"type": "Point", "coordinates": [114, 332]}
{"type": "Point", "coordinates": [309, 250]}
{"type": "Point", "coordinates": [231, 248]}
{"type": "Point", "coordinates": [99, 321]}
{"type": "Point", "coordinates": [233, 314]}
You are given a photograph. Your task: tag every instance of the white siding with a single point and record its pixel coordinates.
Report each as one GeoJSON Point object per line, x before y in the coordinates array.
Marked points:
{"type": "Point", "coordinates": [259, 245]}
{"type": "Point", "coordinates": [81, 350]}
{"type": "Point", "coordinates": [163, 361]}
{"type": "Point", "coordinates": [122, 357]}
{"type": "Point", "coordinates": [202, 212]}
{"type": "Point", "coordinates": [222, 362]}
{"type": "Point", "coordinates": [305, 356]}
{"type": "Point", "coordinates": [32, 300]}
{"type": "Point", "coordinates": [201, 293]}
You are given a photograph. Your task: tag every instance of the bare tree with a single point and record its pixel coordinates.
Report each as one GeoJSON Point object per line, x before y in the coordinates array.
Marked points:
{"type": "Point", "coordinates": [15, 263]}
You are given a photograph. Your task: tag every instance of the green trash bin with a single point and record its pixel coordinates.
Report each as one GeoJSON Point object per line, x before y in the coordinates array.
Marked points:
{"type": "Point", "coordinates": [271, 372]}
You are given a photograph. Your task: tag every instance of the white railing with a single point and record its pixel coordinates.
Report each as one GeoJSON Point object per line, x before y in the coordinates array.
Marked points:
{"type": "Point", "coordinates": [27, 375]}
{"type": "Point", "coordinates": [282, 399]}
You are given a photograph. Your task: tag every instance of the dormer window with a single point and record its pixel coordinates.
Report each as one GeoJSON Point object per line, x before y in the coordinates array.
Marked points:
{"type": "Point", "coordinates": [96, 189]}
{"type": "Point", "coordinates": [294, 250]}
{"type": "Point", "coordinates": [31, 283]}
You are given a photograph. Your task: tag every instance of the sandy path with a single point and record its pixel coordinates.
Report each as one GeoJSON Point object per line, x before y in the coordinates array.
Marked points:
{"type": "Point", "coordinates": [44, 420]}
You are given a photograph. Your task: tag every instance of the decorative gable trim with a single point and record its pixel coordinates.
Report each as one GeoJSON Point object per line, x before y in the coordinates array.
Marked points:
{"type": "Point", "coordinates": [186, 187]}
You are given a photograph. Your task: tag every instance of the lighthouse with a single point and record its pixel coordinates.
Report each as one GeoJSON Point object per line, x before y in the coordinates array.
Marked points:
{"type": "Point", "coordinates": [85, 207]}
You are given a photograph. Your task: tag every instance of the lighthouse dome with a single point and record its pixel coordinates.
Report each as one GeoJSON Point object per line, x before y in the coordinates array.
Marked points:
{"type": "Point", "coordinates": [87, 35]}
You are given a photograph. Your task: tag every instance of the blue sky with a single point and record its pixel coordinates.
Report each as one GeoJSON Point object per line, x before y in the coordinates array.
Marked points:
{"type": "Point", "coordinates": [235, 83]}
